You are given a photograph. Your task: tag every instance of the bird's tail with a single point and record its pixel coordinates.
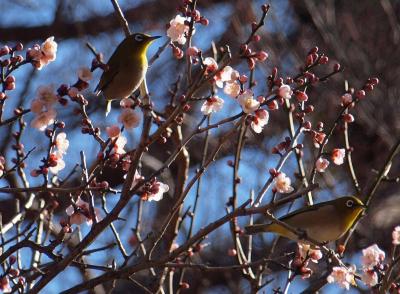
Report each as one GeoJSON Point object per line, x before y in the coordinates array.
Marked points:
{"type": "Point", "coordinates": [108, 109]}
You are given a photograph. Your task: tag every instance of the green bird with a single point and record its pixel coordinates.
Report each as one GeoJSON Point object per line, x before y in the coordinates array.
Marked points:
{"type": "Point", "coordinates": [322, 222]}
{"type": "Point", "coordinates": [127, 68]}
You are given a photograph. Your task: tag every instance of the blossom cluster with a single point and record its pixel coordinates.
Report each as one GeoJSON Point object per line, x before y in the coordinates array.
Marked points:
{"type": "Point", "coordinates": [373, 266]}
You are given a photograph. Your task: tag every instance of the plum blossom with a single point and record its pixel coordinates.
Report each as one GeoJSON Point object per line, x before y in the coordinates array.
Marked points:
{"type": "Point", "coordinates": [227, 74]}
{"type": "Point", "coordinates": [343, 276]}
{"type": "Point", "coordinates": [44, 54]}
{"type": "Point", "coordinates": [127, 103]}
{"type": "Point", "coordinates": [370, 278]}
{"type": "Point", "coordinates": [129, 118]}
{"type": "Point", "coordinates": [120, 144]}
{"type": "Point", "coordinates": [259, 120]}
{"type": "Point", "coordinates": [5, 285]}
{"type": "Point", "coordinates": [85, 74]}
{"type": "Point", "coordinates": [58, 161]}
{"type": "Point", "coordinates": [283, 183]}
{"type": "Point", "coordinates": [285, 91]}
{"type": "Point", "coordinates": [152, 191]}
{"type": "Point", "coordinates": [113, 131]}
{"type": "Point", "coordinates": [346, 99]}
{"type": "Point", "coordinates": [247, 101]}
{"type": "Point", "coordinates": [193, 51]}
{"type": "Point", "coordinates": [232, 89]}
{"type": "Point", "coordinates": [46, 95]}
{"type": "Point", "coordinates": [62, 143]}
{"type": "Point", "coordinates": [43, 119]}
{"type": "Point", "coordinates": [321, 164]}
{"type": "Point", "coordinates": [211, 64]}
{"type": "Point", "coordinates": [178, 30]}
{"type": "Point", "coordinates": [305, 251]}
{"type": "Point", "coordinates": [156, 191]}
{"type": "Point", "coordinates": [213, 104]}
{"type": "Point", "coordinates": [338, 155]}
{"type": "Point", "coordinates": [319, 138]}
{"type": "Point", "coordinates": [372, 256]}
{"type": "Point", "coordinates": [396, 236]}
{"type": "Point", "coordinates": [73, 92]}
{"type": "Point", "coordinates": [80, 212]}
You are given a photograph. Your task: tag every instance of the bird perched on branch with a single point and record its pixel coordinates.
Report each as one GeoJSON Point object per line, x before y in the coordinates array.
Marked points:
{"type": "Point", "coordinates": [322, 222]}
{"type": "Point", "coordinates": [127, 68]}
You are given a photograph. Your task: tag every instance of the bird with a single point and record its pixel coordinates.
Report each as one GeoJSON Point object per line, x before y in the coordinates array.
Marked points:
{"type": "Point", "coordinates": [323, 222]}
{"type": "Point", "coordinates": [125, 69]}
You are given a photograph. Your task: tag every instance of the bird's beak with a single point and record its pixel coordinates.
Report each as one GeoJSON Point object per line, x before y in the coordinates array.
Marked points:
{"type": "Point", "coordinates": [152, 38]}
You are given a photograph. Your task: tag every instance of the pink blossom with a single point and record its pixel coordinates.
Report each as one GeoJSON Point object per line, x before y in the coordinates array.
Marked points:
{"type": "Point", "coordinates": [129, 118]}
{"type": "Point", "coordinates": [213, 104]}
{"type": "Point", "coordinates": [211, 64]}
{"type": "Point", "coordinates": [5, 285]}
{"type": "Point", "coordinates": [43, 119]}
{"type": "Point", "coordinates": [372, 256]}
{"type": "Point", "coordinates": [62, 143]}
{"type": "Point", "coordinates": [285, 91]}
{"type": "Point", "coordinates": [370, 278]}
{"type": "Point", "coordinates": [37, 106]}
{"type": "Point", "coordinates": [343, 276]}
{"type": "Point", "coordinates": [80, 212]}
{"type": "Point", "coordinates": [346, 99]}
{"type": "Point", "coordinates": [232, 89]}
{"type": "Point", "coordinates": [73, 92]}
{"type": "Point", "coordinates": [156, 191]}
{"type": "Point", "coordinates": [47, 95]}
{"type": "Point", "coordinates": [113, 131]}
{"type": "Point", "coordinates": [227, 74]}
{"type": "Point", "coordinates": [247, 101]}
{"type": "Point", "coordinates": [259, 120]}
{"type": "Point", "coordinates": [120, 144]}
{"type": "Point", "coordinates": [283, 183]}
{"type": "Point", "coordinates": [127, 103]}
{"type": "Point", "coordinates": [192, 51]}
{"type": "Point", "coordinates": [305, 251]}
{"type": "Point", "coordinates": [178, 29]}
{"type": "Point", "coordinates": [319, 138]}
{"type": "Point", "coordinates": [338, 156]}
{"type": "Point", "coordinates": [60, 163]}
{"type": "Point", "coordinates": [85, 74]}
{"type": "Point", "coordinates": [49, 50]}
{"type": "Point", "coordinates": [396, 236]}
{"type": "Point", "coordinates": [321, 165]}
{"type": "Point", "coordinates": [43, 55]}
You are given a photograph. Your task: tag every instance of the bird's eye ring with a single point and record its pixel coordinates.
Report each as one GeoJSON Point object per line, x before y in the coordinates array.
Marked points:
{"type": "Point", "coordinates": [138, 38]}
{"type": "Point", "coordinates": [349, 203]}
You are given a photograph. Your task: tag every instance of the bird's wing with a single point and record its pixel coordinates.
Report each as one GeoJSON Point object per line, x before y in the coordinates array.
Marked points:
{"type": "Point", "coordinates": [109, 74]}
{"type": "Point", "coordinates": [106, 78]}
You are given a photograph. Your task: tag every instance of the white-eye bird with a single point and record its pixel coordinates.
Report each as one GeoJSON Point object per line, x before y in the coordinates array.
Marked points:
{"type": "Point", "coordinates": [127, 68]}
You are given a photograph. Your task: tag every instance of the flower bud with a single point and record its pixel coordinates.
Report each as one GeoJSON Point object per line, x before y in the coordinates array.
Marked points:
{"type": "Point", "coordinates": [360, 94]}
{"type": "Point", "coordinates": [348, 118]}
{"type": "Point", "coordinates": [256, 38]}
{"type": "Point", "coordinates": [336, 67]}
{"type": "Point", "coordinates": [301, 96]}
{"type": "Point", "coordinates": [262, 55]}
{"type": "Point", "coordinates": [204, 21]}
{"type": "Point", "coordinates": [324, 59]}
